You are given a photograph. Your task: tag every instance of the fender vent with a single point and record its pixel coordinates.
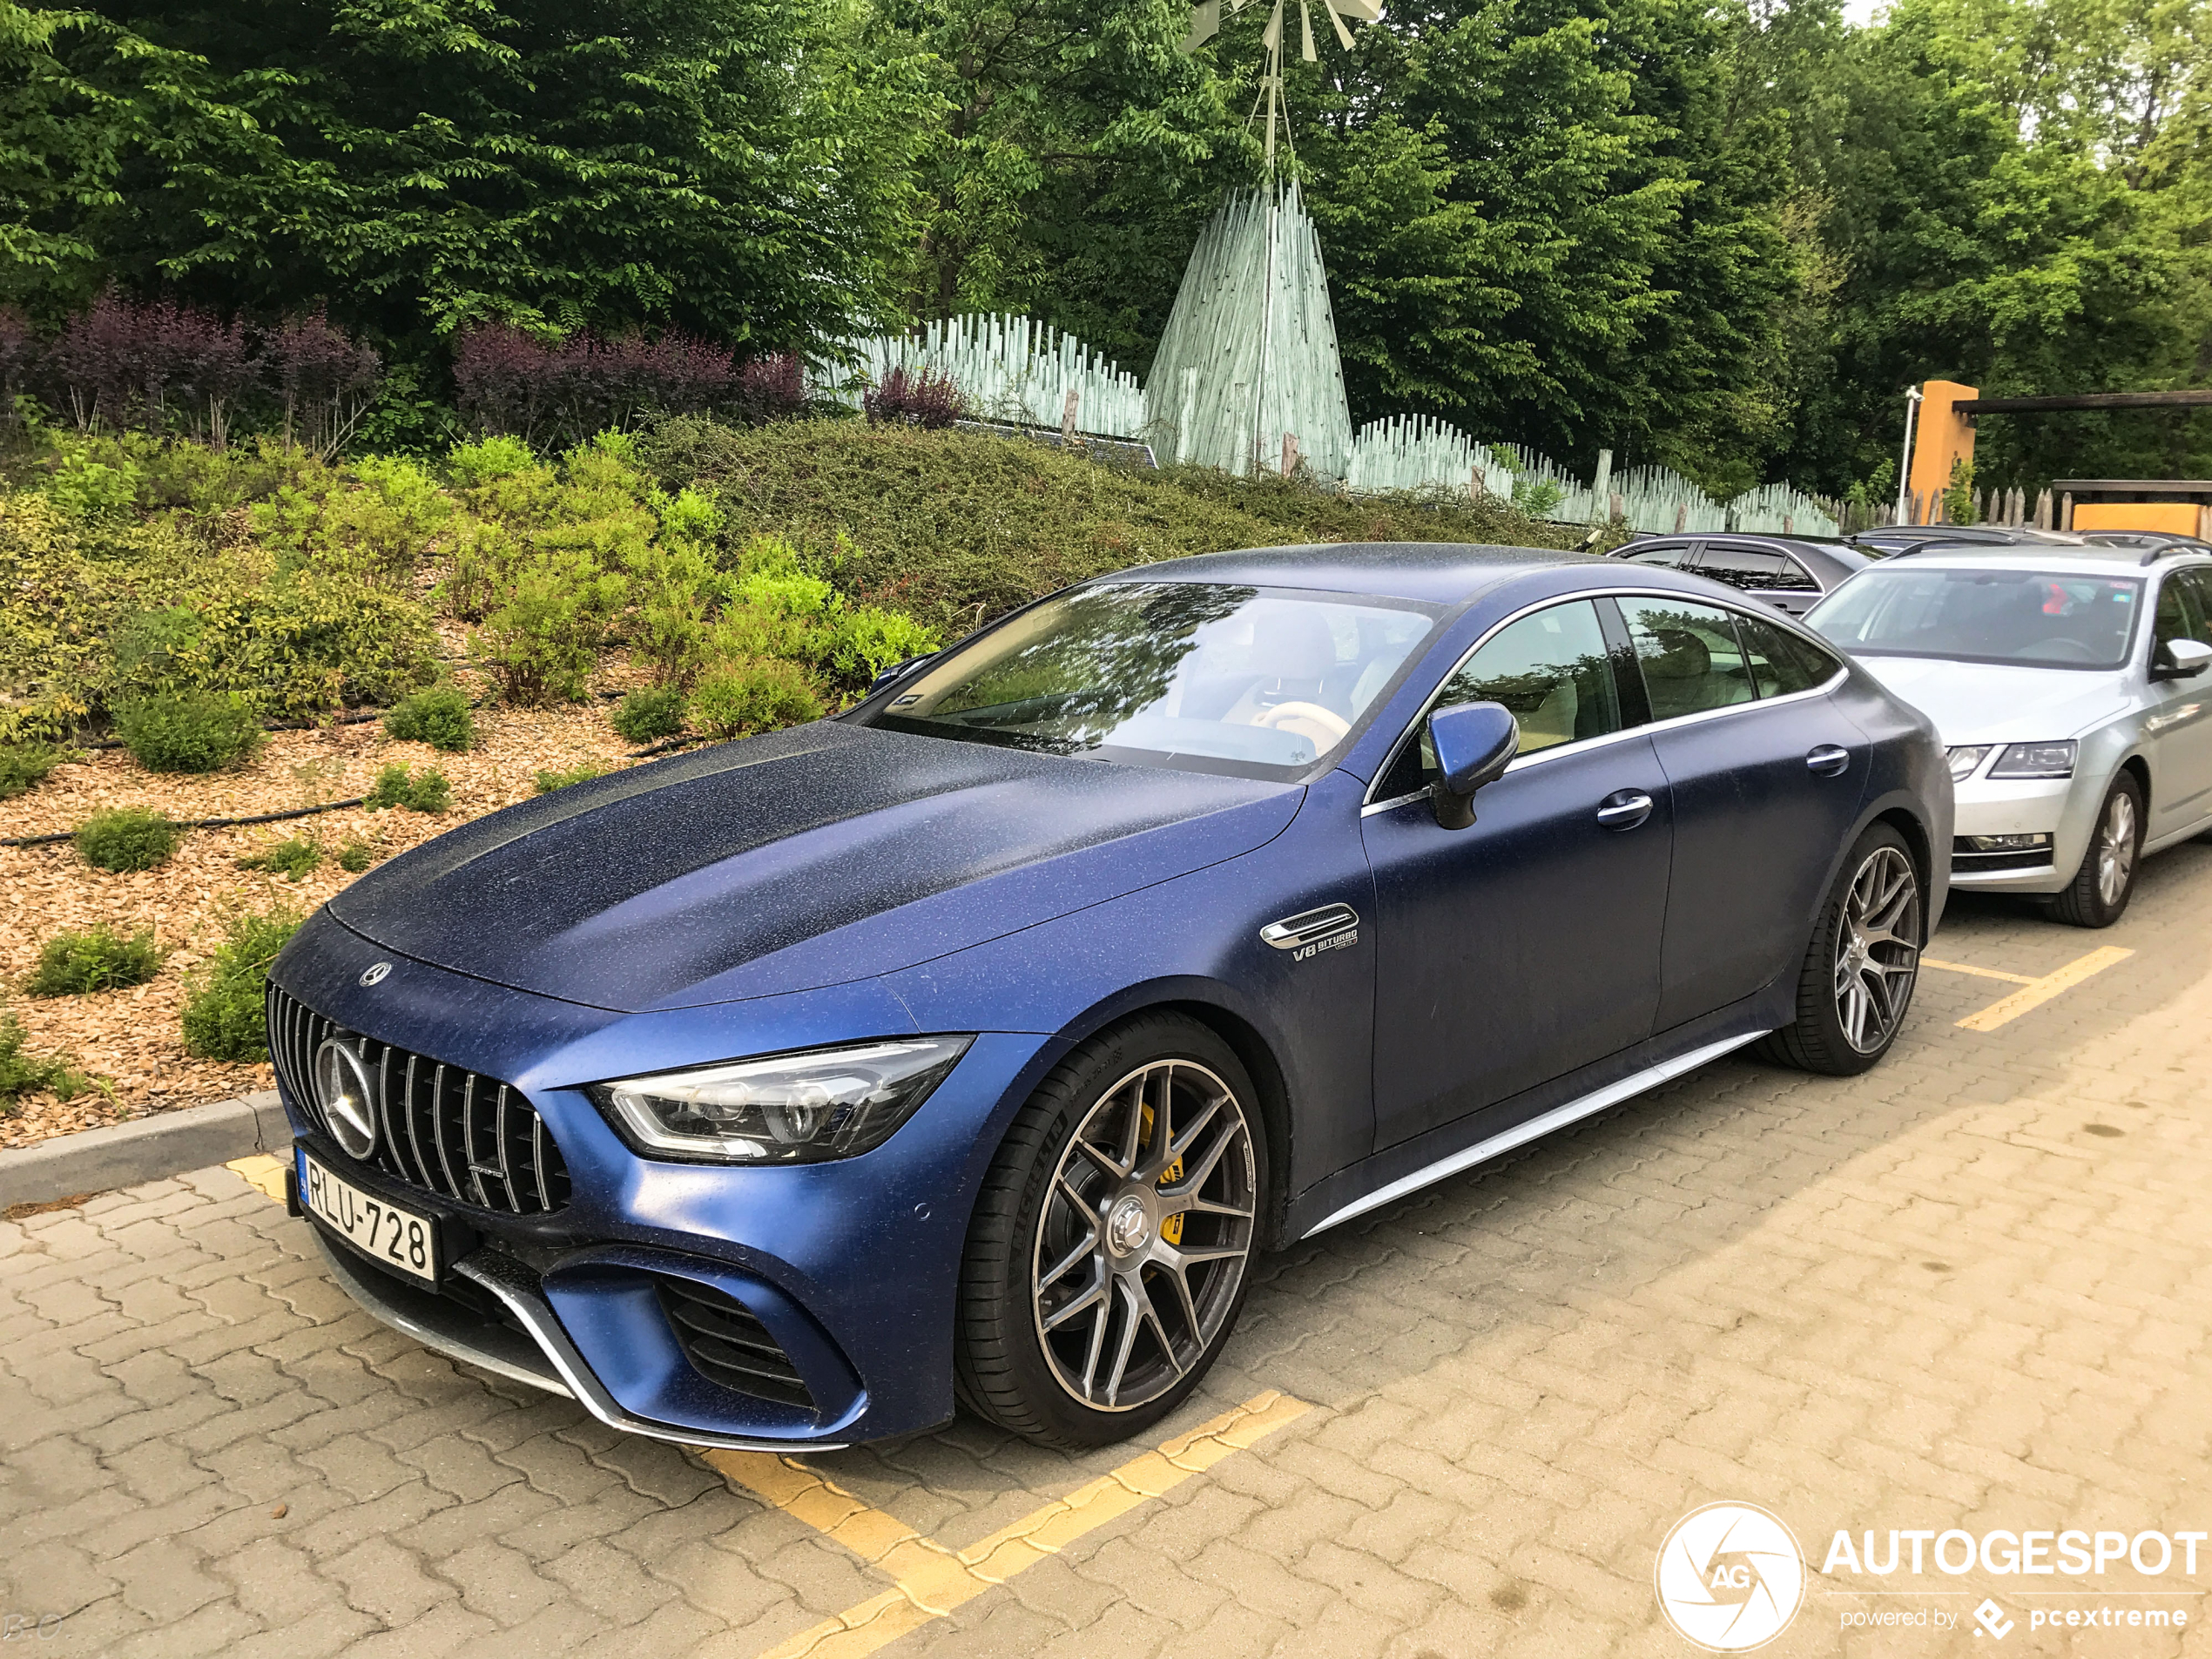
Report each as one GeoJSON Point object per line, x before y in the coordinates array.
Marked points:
{"type": "Point", "coordinates": [725, 1344]}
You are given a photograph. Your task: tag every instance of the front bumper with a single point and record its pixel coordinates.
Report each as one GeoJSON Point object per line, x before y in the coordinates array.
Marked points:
{"type": "Point", "coordinates": [2024, 806]}
{"type": "Point", "coordinates": [850, 1267]}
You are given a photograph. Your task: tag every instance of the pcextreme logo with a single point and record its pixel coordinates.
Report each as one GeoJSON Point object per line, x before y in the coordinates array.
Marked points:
{"type": "Point", "coordinates": [1730, 1577]}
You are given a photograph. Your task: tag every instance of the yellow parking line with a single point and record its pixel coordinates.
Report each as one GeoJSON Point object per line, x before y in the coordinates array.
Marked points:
{"type": "Point", "coordinates": [928, 1580]}
{"type": "Point", "coordinates": [263, 1171]}
{"type": "Point", "coordinates": [2035, 993]}
{"type": "Point", "coordinates": [1979, 972]}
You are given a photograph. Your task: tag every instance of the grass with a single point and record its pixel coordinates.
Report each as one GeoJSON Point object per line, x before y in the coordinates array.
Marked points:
{"type": "Point", "coordinates": [954, 528]}
{"type": "Point", "coordinates": [23, 1072]}
{"type": "Point", "coordinates": [98, 959]}
{"type": "Point", "coordinates": [223, 1018]}
{"type": "Point", "coordinates": [290, 860]}
{"type": "Point", "coordinates": [128, 838]}
{"type": "Point", "coordinates": [356, 856]}
{"type": "Point", "coordinates": [549, 781]}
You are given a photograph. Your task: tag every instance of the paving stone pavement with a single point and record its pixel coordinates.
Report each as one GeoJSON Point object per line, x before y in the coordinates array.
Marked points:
{"type": "Point", "coordinates": [1966, 1291]}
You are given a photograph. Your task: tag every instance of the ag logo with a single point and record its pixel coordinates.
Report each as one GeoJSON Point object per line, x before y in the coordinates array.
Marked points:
{"type": "Point", "coordinates": [1730, 1577]}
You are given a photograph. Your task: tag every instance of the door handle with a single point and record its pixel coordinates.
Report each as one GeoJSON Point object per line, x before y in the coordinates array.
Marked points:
{"type": "Point", "coordinates": [1828, 760]}
{"type": "Point", "coordinates": [1624, 809]}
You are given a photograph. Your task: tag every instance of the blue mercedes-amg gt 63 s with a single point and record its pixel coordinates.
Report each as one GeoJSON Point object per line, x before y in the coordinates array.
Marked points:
{"type": "Point", "coordinates": [969, 1046]}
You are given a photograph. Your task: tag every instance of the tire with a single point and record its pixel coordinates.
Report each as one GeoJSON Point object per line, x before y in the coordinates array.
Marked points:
{"type": "Point", "coordinates": [1082, 1316]}
{"type": "Point", "coordinates": [1855, 987]}
{"type": "Point", "coordinates": [2098, 895]}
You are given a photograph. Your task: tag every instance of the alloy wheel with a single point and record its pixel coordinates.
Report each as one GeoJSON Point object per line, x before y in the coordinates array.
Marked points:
{"type": "Point", "coordinates": [2116, 849]}
{"type": "Point", "coordinates": [1878, 951]}
{"type": "Point", "coordinates": [1145, 1236]}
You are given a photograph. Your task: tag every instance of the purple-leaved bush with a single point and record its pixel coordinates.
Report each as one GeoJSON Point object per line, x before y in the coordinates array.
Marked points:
{"type": "Point", "coordinates": [566, 390]}
{"type": "Point", "coordinates": [915, 398]}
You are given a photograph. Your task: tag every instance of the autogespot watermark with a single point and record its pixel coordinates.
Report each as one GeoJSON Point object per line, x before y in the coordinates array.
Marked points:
{"type": "Point", "coordinates": [1730, 1577]}
{"type": "Point", "coordinates": [30, 1627]}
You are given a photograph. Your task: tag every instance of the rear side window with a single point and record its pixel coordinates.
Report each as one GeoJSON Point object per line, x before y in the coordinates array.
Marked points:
{"type": "Point", "coordinates": [2180, 614]}
{"type": "Point", "coordinates": [1668, 554]}
{"type": "Point", "coordinates": [1781, 662]}
{"type": "Point", "coordinates": [1755, 569]}
{"type": "Point", "coordinates": [1690, 654]}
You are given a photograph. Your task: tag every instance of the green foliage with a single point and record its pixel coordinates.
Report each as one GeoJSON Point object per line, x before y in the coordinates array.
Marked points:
{"type": "Point", "coordinates": [472, 466]}
{"type": "Point", "coordinates": [355, 856]}
{"type": "Point", "coordinates": [437, 715]}
{"type": "Point", "coordinates": [23, 1072]}
{"type": "Point", "coordinates": [98, 959]}
{"type": "Point", "coordinates": [223, 1016]}
{"type": "Point", "coordinates": [397, 786]}
{"type": "Point", "coordinates": [289, 858]}
{"type": "Point", "coordinates": [581, 774]}
{"type": "Point", "coordinates": [653, 712]}
{"type": "Point", "coordinates": [864, 641]}
{"type": "Point", "coordinates": [127, 838]}
{"type": "Point", "coordinates": [187, 731]}
{"type": "Point", "coordinates": [541, 642]}
{"type": "Point", "coordinates": [755, 696]}
{"type": "Point", "coordinates": [93, 490]}
{"type": "Point", "coordinates": [376, 527]}
{"type": "Point", "coordinates": [23, 766]}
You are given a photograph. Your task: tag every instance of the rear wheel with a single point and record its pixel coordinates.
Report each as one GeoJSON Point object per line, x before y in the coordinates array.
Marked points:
{"type": "Point", "coordinates": [2098, 895]}
{"type": "Point", "coordinates": [1113, 1239]}
{"type": "Point", "coordinates": [1855, 982]}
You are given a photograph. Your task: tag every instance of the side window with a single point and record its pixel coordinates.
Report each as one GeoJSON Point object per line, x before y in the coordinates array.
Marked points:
{"type": "Point", "coordinates": [1690, 656]}
{"type": "Point", "coordinates": [2197, 583]}
{"type": "Point", "coordinates": [2180, 614]}
{"type": "Point", "coordinates": [1551, 669]}
{"type": "Point", "coordinates": [1781, 662]}
{"type": "Point", "coordinates": [1793, 578]}
{"type": "Point", "coordinates": [1670, 554]}
{"type": "Point", "coordinates": [1742, 567]}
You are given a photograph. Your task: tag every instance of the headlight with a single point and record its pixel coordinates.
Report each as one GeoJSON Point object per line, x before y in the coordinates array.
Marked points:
{"type": "Point", "coordinates": [805, 1108]}
{"type": "Point", "coordinates": [1963, 762]}
{"type": "Point", "coordinates": [2035, 760]}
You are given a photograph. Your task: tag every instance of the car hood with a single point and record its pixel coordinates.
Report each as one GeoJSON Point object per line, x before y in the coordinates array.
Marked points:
{"type": "Point", "coordinates": [1986, 702]}
{"type": "Point", "coordinates": [811, 857]}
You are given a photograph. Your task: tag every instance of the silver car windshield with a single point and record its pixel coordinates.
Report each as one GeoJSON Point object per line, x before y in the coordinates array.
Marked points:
{"type": "Point", "coordinates": [1251, 681]}
{"type": "Point", "coordinates": [2019, 618]}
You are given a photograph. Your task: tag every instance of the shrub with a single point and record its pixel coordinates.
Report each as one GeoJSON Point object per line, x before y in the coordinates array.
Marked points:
{"type": "Point", "coordinates": [312, 644]}
{"type": "Point", "coordinates": [93, 490]}
{"type": "Point", "coordinates": [187, 731]}
{"type": "Point", "coordinates": [509, 383]}
{"type": "Point", "coordinates": [656, 711]}
{"type": "Point", "coordinates": [755, 696]}
{"type": "Point", "coordinates": [356, 856]}
{"type": "Point", "coordinates": [865, 641]}
{"type": "Point", "coordinates": [24, 1074]}
{"type": "Point", "coordinates": [772, 388]}
{"type": "Point", "coordinates": [99, 959]}
{"type": "Point", "coordinates": [128, 838]}
{"type": "Point", "coordinates": [223, 1012]}
{"type": "Point", "coordinates": [398, 786]}
{"type": "Point", "coordinates": [549, 781]}
{"type": "Point", "coordinates": [438, 715]}
{"type": "Point", "coordinates": [23, 766]}
{"type": "Point", "coordinates": [472, 465]}
{"type": "Point", "coordinates": [482, 555]}
{"type": "Point", "coordinates": [915, 397]}
{"type": "Point", "coordinates": [541, 643]}
{"type": "Point", "coordinates": [290, 860]}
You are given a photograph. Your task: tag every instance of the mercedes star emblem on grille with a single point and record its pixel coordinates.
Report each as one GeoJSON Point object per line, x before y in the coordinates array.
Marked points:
{"type": "Point", "coordinates": [344, 1092]}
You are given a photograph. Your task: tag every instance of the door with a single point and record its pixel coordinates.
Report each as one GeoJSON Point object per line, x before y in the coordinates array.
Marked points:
{"type": "Point", "coordinates": [2179, 731]}
{"type": "Point", "coordinates": [1766, 774]}
{"type": "Point", "coordinates": [1527, 946]}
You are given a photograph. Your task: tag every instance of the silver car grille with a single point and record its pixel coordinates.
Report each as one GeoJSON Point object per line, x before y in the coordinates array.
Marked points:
{"type": "Point", "coordinates": [448, 1130]}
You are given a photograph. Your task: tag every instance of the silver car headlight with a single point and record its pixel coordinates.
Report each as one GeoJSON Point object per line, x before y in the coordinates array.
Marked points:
{"type": "Point", "coordinates": [805, 1108]}
{"type": "Point", "coordinates": [2035, 760]}
{"type": "Point", "coordinates": [1964, 760]}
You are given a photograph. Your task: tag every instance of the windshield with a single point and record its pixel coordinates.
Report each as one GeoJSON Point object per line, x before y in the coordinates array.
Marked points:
{"type": "Point", "coordinates": [2020, 619]}
{"type": "Point", "coordinates": [1207, 677]}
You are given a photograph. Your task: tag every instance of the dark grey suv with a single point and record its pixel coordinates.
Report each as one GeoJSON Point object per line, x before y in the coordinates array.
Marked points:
{"type": "Point", "coordinates": [1788, 572]}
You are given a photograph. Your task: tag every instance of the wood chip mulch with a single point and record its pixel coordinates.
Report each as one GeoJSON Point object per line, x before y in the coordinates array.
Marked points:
{"type": "Point", "coordinates": [132, 1039]}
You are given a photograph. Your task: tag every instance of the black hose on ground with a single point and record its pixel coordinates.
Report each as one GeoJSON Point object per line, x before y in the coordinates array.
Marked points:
{"type": "Point", "coordinates": [202, 822]}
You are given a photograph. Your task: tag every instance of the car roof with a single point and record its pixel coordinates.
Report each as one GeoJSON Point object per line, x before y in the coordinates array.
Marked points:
{"type": "Point", "coordinates": [1445, 573]}
{"type": "Point", "coordinates": [2041, 557]}
{"type": "Point", "coordinates": [1735, 538]}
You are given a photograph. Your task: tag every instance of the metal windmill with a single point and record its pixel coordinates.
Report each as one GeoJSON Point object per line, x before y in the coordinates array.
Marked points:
{"type": "Point", "coordinates": [1249, 361]}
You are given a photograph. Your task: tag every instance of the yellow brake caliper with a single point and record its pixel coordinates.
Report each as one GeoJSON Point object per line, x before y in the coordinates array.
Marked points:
{"type": "Point", "coordinates": [1171, 1226]}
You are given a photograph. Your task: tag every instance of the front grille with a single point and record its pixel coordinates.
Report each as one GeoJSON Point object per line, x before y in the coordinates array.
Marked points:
{"type": "Point", "coordinates": [455, 1133]}
{"type": "Point", "coordinates": [727, 1345]}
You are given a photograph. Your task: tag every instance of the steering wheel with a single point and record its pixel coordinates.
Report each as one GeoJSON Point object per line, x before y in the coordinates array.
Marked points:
{"type": "Point", "coordinates": [1323, 726]}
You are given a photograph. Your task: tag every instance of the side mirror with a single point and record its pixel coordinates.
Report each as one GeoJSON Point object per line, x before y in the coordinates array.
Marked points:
{"type": "Point", "coordinates": [898, 672]}
{"type": "Point", "coordinates": [2185, 659]}
{"type": "Point", "coordinates": [1474, 742]}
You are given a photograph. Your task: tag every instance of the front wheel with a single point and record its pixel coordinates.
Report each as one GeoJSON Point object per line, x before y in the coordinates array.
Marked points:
{"type": "Point", "coordinates": [2098, 895]}
{"type": "Point", "coordinates": [1113, 1239]}
{"type": "Point", "coordinates": [1855, 982]}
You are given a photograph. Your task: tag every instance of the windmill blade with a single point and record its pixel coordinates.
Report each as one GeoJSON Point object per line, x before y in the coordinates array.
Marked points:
{"type": "Point", "coordinates": [1365, 11]}
{"type": "Point", "coordinates": [1343, 35]}
{"type": "Point", "coordinates": [1272, 38]}
{"type": "Point", "coordinates": [1205, 23]}
{"type": "Point", "coordinates": [1306, 34]}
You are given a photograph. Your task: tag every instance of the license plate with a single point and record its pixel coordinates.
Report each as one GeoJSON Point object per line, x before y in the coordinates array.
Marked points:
{"type": "Point", "coordinates": [396, 1237]}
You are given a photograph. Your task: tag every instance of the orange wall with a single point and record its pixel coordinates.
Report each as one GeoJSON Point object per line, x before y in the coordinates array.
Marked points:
{"type": "Point", "coordinates": [1940, 438]}
{"type": "Point", "coordinates": [2176, 517]}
